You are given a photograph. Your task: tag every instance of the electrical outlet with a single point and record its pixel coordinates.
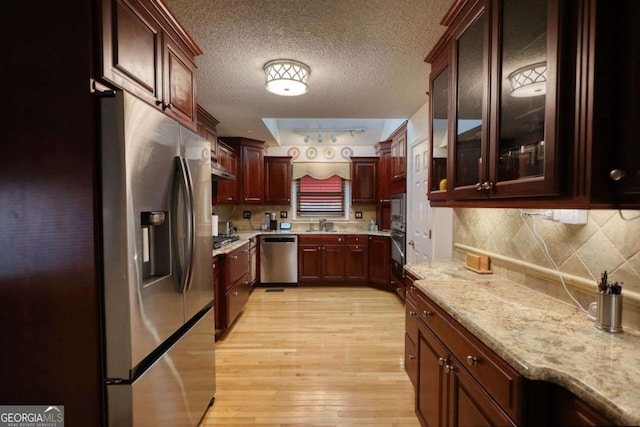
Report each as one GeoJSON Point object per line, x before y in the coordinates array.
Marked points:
{"type": "Point", "coordinates": [246, 214]}
{"type": "Point", "coordinates": [283, 214]}
{"type": "Point", "coordinates": [358, 215]}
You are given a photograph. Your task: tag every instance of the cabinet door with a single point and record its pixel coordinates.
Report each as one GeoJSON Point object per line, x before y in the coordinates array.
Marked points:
{"type": "Point", "coordinates": [384, 173]}
{"type": "Point", "coordinates": [252, 174]}
{"type": "Point", "coordinates": [309, 262]}
{"type": "Point", "coordinates": [363, 180]}
{"type": "Point", "coordinates": [236, 299]}
{"type": "Point", "coordinates": [179, 100]}
{"type": "Point", "coordinates": [431, 392]}
{"type": "Point", "coordinates": [523, 157]}
{"type": "Point", "coordinates": [467, 403]}
{"type": "Point", "coordinates": [399, 155]}
{"type": "Point", "coordinates": [356, 263]}
{"type": "Point", "coordinates": [333, 263]}
{"type": "Point", "coordinates": [227, 191]}
{"type": "Point", "coordinates": [469, 129]}
{"type": "Point", "coordinates": [379, 260]}
{"type": "Point", "coordinates": [623, 50]}
{"type": "Point", "coordinates": [277, 180]}
{"type": "Point", "coordinates": [439, 116]}
{"type": "Point", "coordinates": [132, 49]}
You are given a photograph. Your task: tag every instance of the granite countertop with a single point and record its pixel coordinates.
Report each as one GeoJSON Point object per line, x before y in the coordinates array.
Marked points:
{"type": "Point", "coordinates": [246, 235]}
{"type": "Point", "coordinates": [541, 337]}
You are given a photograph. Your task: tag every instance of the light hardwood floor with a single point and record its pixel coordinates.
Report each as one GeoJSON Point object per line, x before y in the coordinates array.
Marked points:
{"type": "Point", "coordinates": [314, 356]}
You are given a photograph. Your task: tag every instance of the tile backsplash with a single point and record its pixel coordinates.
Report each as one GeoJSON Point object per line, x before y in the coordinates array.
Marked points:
{"type": "Point", "coordinates": [610, 240]}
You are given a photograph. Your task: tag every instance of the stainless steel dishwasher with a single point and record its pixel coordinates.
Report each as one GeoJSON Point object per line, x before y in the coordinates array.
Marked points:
{"type": "Point", "coordinates": [278, 259]}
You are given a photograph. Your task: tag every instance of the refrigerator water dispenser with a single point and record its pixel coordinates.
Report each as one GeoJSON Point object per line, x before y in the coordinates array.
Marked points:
{"type": "Point", "coordinates": [156, 244]}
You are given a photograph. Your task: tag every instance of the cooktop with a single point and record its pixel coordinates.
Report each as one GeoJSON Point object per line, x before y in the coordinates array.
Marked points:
{"type": "Point", "coordinates": [220, 241]}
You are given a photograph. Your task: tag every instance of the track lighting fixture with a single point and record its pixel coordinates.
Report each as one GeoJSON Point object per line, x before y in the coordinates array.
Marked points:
{"type": "Point", "coordinates": [333, 133]}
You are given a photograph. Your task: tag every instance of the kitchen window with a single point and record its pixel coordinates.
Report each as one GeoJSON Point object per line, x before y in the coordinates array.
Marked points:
{"type": "Point", "coordinates": [321, 197]}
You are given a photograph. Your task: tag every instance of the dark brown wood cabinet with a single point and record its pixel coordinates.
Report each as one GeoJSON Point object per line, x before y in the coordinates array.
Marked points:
{"type": "Point", "coordinates": [356, 260]}
{"type": "Point", "coordinates": [226, 192]}
{"type": "Point", "coordinates": [234, 286]}
{"type": "Point", "coordinates": [383, 215]}
{"type": "Point", "coordinates": [320, 258]}
{"type": "Point", "coordinates": [399, 153]}
{"type": "Point", "coordinates": [540, 119]}
{"type": "Point", "coordinates": [379, 261]}
{"type": "Point", "coordinates": [252, 168]}
{"type": "Point", "coordinates": [459, 380]}
{"type": "Point", "coordinates": [364, 179]}
{"type": "Point", "coordinates": [207, 129]}
{"type": "Point", "coordinates": [277, 180]}
{"type": "Point", "coordinates": [146, 52]}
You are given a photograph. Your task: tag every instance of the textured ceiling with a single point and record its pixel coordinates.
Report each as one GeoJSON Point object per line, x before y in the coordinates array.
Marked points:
{"type": "Point", "coordinates": [366, 58]}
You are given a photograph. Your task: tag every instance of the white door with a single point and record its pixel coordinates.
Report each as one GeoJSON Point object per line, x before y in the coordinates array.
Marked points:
{"type": "Point", "coordinates": [419, 222]}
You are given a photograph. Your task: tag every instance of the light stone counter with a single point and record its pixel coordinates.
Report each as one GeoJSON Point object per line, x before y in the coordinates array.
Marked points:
{"type": "Point", "coordinates": [246, 235]}
{"type": "Point", "coordinates": [541, 337]}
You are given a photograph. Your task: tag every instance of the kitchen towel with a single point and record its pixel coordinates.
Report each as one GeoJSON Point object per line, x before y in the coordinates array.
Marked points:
{"type": "Point", "coordinates": [214, 225]}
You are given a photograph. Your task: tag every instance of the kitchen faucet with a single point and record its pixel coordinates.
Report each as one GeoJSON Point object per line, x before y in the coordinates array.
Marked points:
{"type": "Point", "coordinates": [322, 222]}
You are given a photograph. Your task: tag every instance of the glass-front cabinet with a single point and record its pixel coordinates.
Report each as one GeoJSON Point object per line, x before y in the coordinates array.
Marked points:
{"type": "Point", "coordinates": [501, 96]}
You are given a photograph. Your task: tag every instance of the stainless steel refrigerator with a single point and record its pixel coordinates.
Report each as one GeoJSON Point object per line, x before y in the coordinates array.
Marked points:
{"type": "Point", "coordinates": [157, 267]}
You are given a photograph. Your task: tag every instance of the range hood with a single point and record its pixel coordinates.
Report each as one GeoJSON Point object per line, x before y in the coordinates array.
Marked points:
{"type": "Point", "coordinates": [220, 173]}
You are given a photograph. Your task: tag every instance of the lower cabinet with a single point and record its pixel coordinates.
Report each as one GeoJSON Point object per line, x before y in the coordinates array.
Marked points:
{"type": "Point", "coordinates": [380, 261]}
{"type": "Point", "coordinates": [459, 381]}
{"type": "Point", "coordinates": [232, 275]}
{"type": "Point", "coordinates": [253, 262]}
{"type": "Point", "coordinates": [356, 260]}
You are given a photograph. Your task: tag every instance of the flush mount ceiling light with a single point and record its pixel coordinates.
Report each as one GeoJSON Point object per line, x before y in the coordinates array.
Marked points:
{"type": "Point", "coordinates": [529, 81]}
{"type": "Point", "coordinates": [286, 77]}
{"type": "Point", "coordinates": [333, 132]}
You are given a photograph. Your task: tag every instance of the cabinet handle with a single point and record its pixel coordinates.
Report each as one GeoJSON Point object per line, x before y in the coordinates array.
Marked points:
{"type": "Point", "coordinates": [413, 313]}
{"type": "Point", "coordinates": [413, 288]}
{"type": "Point", "coordinates": [229, 199]}
{"type": "Point", "coordinates": [442, 361]}
{"type": "Point", "coordinates": [246, 282]}
{"type": "Point", "coordinates": [234, 256]}
{"type": "Point", "coordinates": [339, 239]}
{"type": "Point", "coordinates": [412, 357]}
{"type": "Point", "coordinates": [235, 294]}
{"type": "Point", "coordinates": [617, 175]}
{"type": "Point", "coordinates": [448, 369]}
{"type": "Point", "coordinates": [214, 266]}
{"type": "Point", "coordinates": [426, 313]}
{"type": "Point", "coordinates": [472, 360]}
{"type": "Point", "coordinates": [487, 185]}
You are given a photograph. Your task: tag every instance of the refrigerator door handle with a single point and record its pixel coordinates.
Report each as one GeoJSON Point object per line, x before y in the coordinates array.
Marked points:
{"type": "Point", "coordinates": [183, 181]}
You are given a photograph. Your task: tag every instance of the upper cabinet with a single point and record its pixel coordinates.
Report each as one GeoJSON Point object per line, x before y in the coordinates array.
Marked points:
{"type": "Point", "coordinates": [250, 184]}
{"type": "Point", "coordinates": [226, 192]}
{"type": "Point", "coordinates": [364, 179]}
{"type": "Point", "coordinates": [146, 52]}
{"type": "Point", "coordinates": [207, 129]}
{"type": "Point", "coordinates": [277, 180]}
{"type": "Point", "coordinates": [518, 89]}
{"type": "Point", "coordinates": [399, 153]}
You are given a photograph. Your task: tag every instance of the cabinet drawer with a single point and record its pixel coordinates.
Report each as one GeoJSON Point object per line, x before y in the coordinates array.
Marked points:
{"type": "Point", "coordinates": [237, 265]}
{"type": "Point", "coordinates": [499, 379]}
{"type": "Point", "coordinates": [236, 299]}
{"type": "Point", "coordinates": [410, 359]}
{"type": "Point", "coordinates": [358, 239]}
{"type": "Point", "coordinates": [324, 239]}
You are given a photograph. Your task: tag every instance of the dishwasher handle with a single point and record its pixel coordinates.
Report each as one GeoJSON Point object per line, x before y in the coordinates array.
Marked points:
{"type": "Point", "coordinates": [279, 240]}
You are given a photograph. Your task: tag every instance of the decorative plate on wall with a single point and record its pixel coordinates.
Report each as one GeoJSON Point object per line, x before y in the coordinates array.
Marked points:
{"type": "Point", "coordinates": [329, 153]}
{"type": "Point", "coordinates": [346, 152]}
{"type": "Point", "coordinates": [311, 153]}
{"type": "Point", "coordinates": [294, 152]}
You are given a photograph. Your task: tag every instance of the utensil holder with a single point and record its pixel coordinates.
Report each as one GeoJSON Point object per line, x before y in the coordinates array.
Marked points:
{"type": "Point", "coordinates": [609, 314]}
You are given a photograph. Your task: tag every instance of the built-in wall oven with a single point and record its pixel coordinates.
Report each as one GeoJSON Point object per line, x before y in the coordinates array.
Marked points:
{"type": "Point", "coordinates": [398, 237]}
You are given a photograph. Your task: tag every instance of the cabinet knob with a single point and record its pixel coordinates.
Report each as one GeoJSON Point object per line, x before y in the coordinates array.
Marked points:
{"type": "Point", "coordinates": [617, 175]}
{"type": "Point", "coordinates": [412, 357]}
{"type": "Point", "coordinates": [413, 288]}
{"type": "Point", "coordinates": [339, 239]}
{"type": "Point", "coordinates": [234, 256]}
{"type": "Point", "coordinates": [448, 369]}
{"type": "Point", "coordinates": [426, 313]}
{"type": "Point", "coordinates": [229, 199]}
{"type": "Point", "coordinates": [235, 294]}
{"type": "Point", "coordinates": [478, 186]}
{"type": "Point", "coordinates": [487, 185]}
{"type": "Point", "coordinates": [472, 360]}
{"type": "Point", "coordinates": [413, 313]}
{"type": "Point", "coordinates": [442, 361]}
